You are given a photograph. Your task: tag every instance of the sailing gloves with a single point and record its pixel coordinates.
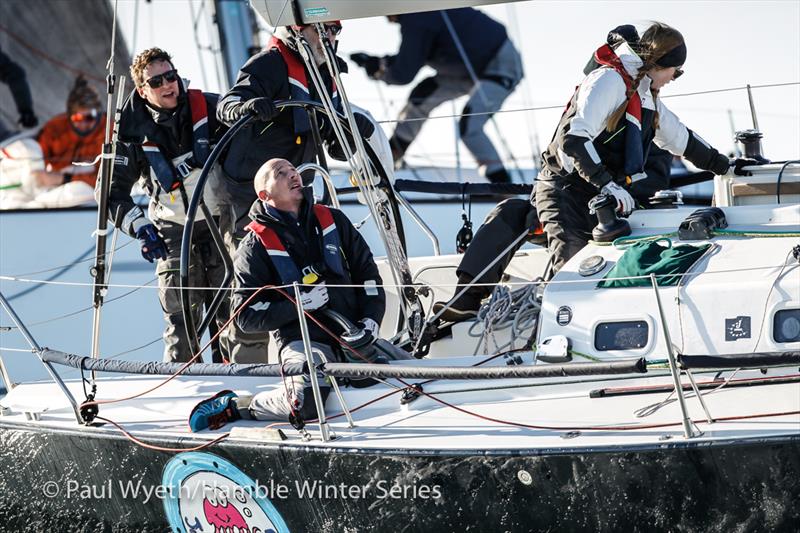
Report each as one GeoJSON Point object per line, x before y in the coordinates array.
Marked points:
{"type": "Point", "coordinates": [370, 326]}
{"type": "Point", "coordinates": [153, 246]}
{"type": "Point", "coordinates": [625, 202]}
{"type": "Point", "coordinates": [315, 298]}
{"type": "Point", "coordinates": [740, 162]}
{"type": "Point", "coordinates": [366, 334]}
{"type": "Point", "coordinates": [371, 64]}
{"type": "Point", "coordinates": [261, 108]}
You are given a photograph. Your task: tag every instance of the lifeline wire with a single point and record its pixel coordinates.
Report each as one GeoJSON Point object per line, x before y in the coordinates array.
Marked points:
{"type": "Point", "coordinates": [550, 107]}
{"type": "Point", "coordinates": [431, 396]}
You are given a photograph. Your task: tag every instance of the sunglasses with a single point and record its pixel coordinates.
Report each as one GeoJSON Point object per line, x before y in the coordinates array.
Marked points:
{"type": "Point", "coordinates": [678, 73]}
{"type": "Point", "coordinates": [335, 29]}
{"type": "Point", "coordinates": [84, 117]}
{"type": "Point", "coordinates": [158, 80]}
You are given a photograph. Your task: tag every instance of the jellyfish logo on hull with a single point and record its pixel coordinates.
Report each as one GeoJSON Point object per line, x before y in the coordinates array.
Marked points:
{"type": "Point", "coordinates": [207, 493]}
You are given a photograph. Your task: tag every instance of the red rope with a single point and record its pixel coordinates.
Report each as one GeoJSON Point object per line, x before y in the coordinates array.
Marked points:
{"type": "Point", "coordinates": [185, 365]}
{"type": "Point", "coordinates": [629, 427]}
{"type": "Point", "coordinates": [162, 448]}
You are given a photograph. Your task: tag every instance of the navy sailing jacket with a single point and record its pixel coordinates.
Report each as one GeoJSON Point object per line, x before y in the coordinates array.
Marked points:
{"type": "Point", "coordinates": [270, 311]}
{"type": "Point", "coordinates": [426, 40]}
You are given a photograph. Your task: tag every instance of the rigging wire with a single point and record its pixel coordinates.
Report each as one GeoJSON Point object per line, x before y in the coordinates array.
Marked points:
{"type": "Point", "coordinates": [76, 262]}
{"type": "Point", "coordinates": [454, 284]}
{"type": "Point", "coordinates": [527, 92]}
{"type": "Point", "coordinates": [89, 308]}
{"type": "Point", "coordinates": [195, 34]}
{"type": "Point", "coordinates": [477, 84]}
{"type": "Point", "coordinates": [561, 106]}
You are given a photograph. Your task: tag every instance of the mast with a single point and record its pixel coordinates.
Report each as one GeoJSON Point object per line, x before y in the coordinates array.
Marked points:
{"type": "Point", "coordinates": [98, 270]}
{"type": "Point", "coordinates": [235, 26]}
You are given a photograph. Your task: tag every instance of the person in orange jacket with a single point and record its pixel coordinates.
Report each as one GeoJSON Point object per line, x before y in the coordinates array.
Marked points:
{"type": "Point", "coordinates": [73, 137]}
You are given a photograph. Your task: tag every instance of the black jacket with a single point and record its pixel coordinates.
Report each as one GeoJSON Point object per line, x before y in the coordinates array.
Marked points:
{"type": "Point", "coordinates": [302, 238]}
{"type": "Point", "coordinates": [266, 75]}
{"type": "Point", "coordinates": [426, 40]}
{"type": "Point", "coordinates": [172, 132]}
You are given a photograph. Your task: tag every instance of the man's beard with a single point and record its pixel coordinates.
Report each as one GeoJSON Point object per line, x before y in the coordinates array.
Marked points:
{"type": "Point", "coordinates": [318, 52]}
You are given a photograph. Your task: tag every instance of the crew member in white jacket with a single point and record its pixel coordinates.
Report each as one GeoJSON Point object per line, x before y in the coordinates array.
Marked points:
{"type": "Point", "coordinates": [602, 140]}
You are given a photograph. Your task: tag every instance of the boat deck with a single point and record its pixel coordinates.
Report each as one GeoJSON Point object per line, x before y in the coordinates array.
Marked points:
{"type": "Point", "coordinates": [560, 412]}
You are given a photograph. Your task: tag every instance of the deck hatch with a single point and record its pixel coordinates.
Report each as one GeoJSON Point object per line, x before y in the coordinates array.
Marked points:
{"type": "Point", "coordinates": [786, 325]}
{"type": "Point", "coordinates": [628, 335]}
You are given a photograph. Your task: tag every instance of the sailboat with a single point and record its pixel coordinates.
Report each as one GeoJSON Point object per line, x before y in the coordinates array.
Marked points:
{"type": "Point", "coordinates": [666, 405]}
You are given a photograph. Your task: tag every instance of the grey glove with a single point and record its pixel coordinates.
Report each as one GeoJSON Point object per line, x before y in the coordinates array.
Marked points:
{"type": "Point", "coordinates": [625, 202]}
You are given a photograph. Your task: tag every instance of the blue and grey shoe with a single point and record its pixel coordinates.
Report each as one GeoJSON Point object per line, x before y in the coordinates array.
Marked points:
{"type": "Point", "coordinates": [214, 412]}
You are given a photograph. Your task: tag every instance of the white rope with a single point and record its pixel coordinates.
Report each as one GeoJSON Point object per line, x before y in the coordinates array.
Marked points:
{"type": "Point", "coordinates": [517, 310]}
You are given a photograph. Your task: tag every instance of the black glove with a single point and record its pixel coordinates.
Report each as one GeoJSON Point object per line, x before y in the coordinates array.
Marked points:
{"type": "Point", "coordinates": [27, 119]}
{"type": "Point", "coordinates": [261, 108]}
{"type": "Point", "coordinates": [153, 246]}
{"type": "Point", "coordinates": [720, 165]}
{"type": "Point", "coordinates": [741, 162]}
{"type": "Point", "coordinates": [371, 64]}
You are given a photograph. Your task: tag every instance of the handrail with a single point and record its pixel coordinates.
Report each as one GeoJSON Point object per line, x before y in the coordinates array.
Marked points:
{"type": "Point", "coordinates": [353, 370]}
{"type": "Point", "coordinates": [326, 179]}
{"type": "Point", "coordinates": [421, 223]}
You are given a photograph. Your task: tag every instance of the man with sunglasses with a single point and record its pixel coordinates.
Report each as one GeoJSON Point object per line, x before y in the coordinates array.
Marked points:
{"type": "Point", "coordinates": [166, 134]}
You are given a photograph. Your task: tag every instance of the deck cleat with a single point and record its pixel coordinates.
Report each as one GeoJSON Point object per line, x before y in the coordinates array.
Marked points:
{"type": "Point", "coordinates": [411, 393]}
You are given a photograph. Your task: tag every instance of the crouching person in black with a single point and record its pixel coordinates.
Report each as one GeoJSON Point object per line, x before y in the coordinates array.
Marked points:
{"type": "Point", "coordinates": [288, 238]}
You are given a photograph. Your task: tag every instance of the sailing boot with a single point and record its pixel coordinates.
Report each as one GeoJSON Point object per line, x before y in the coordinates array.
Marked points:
{"type": "Point", "coordinates": [464, 307]}
{"type": "Point", "coordinates": [214, 412]}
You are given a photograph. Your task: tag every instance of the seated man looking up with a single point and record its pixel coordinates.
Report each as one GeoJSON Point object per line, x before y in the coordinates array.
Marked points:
{"type": "Point", "coordinates": [289, 238]}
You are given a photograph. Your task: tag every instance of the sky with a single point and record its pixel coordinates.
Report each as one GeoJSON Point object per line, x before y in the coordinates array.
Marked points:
{"type": "Point", "coordinates": [730, 44]}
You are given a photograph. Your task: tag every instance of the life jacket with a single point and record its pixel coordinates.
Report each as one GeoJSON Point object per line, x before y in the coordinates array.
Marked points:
{"type": "Point", "coordinates": [298, 85]}
{"type": "Point", "coordinates": [171, 173]}
{"type": "Point", "coordinates": [634, 150]}
{"type": "Point", "coordinates": [287, 269]}
{"type": "Point", "coordinates": [61, 145]}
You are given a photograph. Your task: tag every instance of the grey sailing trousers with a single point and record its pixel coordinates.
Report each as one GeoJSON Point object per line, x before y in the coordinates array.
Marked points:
{"type": "Point", "coordinates": [275, 404]}
{"type": "Point", "coordinates": [486, 97]}
{"type": "Point", "coordinates": [206, 270]}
